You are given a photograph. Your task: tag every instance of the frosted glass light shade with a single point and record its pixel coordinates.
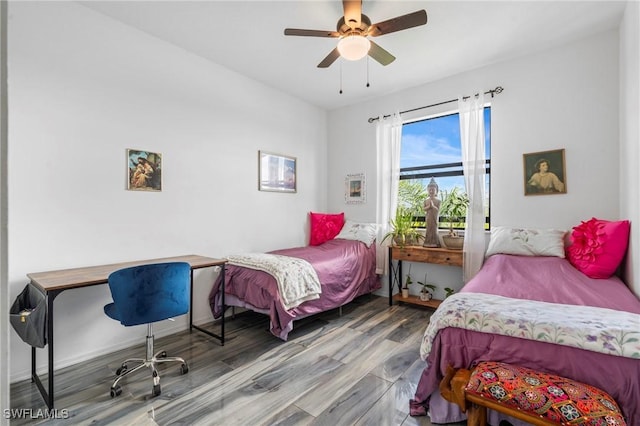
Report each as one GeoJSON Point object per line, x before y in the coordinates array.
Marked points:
{"type": "Point", "coordinates": [354, 47]}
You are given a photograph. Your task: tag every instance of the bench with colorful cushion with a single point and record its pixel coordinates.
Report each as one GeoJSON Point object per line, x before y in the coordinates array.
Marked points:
{"type": "Point", "coordinates": [529, 395]}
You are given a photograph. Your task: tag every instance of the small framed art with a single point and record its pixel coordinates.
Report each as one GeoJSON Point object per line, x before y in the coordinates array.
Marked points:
{"type": "Point", "coordinates": [355, 189]}
{"type": "Point", "coordinates": [544, 173]}
{"type": "Point", "coordinates": [144, 170]}
{"type": "Point", "coordinates": [276, 172]}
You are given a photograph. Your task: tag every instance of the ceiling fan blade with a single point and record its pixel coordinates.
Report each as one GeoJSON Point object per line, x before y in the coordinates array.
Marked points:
{"type": "Point", "coordinates": [331, 58]}
{"type": "Point", "coordinates": [310, 33]}
{"type": "Point", "coordinates": [380, 55]}
{"type": "Point", "coordinates": [399, 23]}
{"type": "Point", "coordinates": [352, 12]}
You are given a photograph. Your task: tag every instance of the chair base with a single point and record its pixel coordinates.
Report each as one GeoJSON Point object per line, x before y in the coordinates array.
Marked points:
{"type": "Point", "coordinates": [151, 361]}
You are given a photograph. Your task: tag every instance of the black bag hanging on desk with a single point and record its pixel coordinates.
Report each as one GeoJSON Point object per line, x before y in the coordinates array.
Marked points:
{"type": "Point", "coordinates": [28, 316]}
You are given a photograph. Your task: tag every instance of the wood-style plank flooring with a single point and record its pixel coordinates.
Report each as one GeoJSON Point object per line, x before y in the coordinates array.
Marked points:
{"type": "Point", "coordinates": [358, 368]}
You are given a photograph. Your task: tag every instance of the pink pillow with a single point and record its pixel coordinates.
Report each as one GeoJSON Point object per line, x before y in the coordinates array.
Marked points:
{"type": "Point", "coordinates": [325, 227]}
{"type": "Point", "coordinates": [598, 247]}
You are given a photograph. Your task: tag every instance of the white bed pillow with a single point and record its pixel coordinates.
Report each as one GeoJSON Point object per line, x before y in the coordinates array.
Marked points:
{"type": "Point", "coordinates": [526, 242]}
{"type": "Point", "coordinates": [365, 232]}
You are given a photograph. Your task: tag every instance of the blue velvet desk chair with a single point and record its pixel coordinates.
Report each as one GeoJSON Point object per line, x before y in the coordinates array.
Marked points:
{"type": "Point", "coordinates": [143, 295]}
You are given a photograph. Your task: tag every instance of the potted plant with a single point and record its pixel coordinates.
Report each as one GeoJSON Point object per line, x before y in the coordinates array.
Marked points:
{"type": "Point", "coordinates": [402, 231]}
{"type": "Point", "coordinates": [448, 292]}
{"type": "Point", "coordinates": [427, 290]}
{"type": "Point", "coordinates": [452, 210]}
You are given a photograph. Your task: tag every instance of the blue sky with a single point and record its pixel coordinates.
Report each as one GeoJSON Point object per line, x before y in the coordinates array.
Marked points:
{"type": "Point", "coordinates": [437, 141]}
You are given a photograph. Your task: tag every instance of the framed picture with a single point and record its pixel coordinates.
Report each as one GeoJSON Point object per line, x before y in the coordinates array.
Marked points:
{"type": "Point", "coordinates": [144, 170]}
{"type": "Point", "coordinates": [544, 173]}
{"type": "Point", "coordinates": [276, 172]}
{"type": "Point", "coordinates": [355, 189]}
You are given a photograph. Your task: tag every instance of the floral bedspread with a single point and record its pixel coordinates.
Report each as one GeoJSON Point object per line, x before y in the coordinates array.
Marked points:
{"type": "Point", "coordinates": [296, 278]}
{"type": "Point", "coordinates": [585, 327]}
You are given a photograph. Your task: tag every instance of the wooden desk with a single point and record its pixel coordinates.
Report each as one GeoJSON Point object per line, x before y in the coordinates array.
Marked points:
{"type": "Point", "coordinates": [53, 283]}
{"type": "Point", "coordinates": [439, 256]}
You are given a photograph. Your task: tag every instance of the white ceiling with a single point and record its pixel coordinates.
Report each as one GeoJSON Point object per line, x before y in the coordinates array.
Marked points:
{"type": "Point", "coordinates": [248, 37]}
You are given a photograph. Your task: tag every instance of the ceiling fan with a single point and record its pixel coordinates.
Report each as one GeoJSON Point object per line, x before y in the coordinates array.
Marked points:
{"type": "Point", "coordinates": [353, 29]}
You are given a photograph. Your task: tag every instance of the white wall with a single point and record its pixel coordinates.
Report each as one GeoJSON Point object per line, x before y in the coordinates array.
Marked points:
{"type": "Point", "coordinates": [82, 89]}
{"type": "Point", "coordinates": [630, 135]}
{"type": "Point", "coordinates": [4, 288]}
{"type": "Point", "coordinates": [562, 98]}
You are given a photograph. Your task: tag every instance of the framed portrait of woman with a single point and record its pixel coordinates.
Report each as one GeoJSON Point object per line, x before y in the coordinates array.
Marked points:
{"type": "Point", "coordinates": [544, 173]}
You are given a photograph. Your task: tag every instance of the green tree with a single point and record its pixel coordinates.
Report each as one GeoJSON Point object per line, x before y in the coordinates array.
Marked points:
{"type": "Point", "coordinates": [411, 196]}
{"type": "Point", "coordinates": [454, 206]}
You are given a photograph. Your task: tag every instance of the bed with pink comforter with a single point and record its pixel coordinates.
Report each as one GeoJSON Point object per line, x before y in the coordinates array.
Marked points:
{"type": "Point", "coordinates": [345, 269]}
{"type": "Point", "coordinates": [547, 316]}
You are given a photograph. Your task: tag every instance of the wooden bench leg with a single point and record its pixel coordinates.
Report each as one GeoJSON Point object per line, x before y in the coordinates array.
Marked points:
{"type": "Point", "coordinates": [476, 415]}
{"type": "Point", "coordinates": [452, 389]}
{"type": "Point", "coordinates": [453, 384]}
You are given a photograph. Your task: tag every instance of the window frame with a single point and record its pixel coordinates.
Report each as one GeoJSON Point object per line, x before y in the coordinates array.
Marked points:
{"type": "Point", "coordinates": [419, 221]}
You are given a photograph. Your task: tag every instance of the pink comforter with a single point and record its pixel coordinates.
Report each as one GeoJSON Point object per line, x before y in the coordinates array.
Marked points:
{"type": "Point", "coordinates": [547, 279]}
{"type": "Point", "coordinates": [345, 268]}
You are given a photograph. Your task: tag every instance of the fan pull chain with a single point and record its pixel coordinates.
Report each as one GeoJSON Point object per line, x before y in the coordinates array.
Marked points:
{"type": "Point", "coordinates": [367, 71]}
{"type": "Point", "coordinates": [341, 76]}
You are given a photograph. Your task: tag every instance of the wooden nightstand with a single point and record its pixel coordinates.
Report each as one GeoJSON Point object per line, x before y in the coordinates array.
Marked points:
{"type": "Point", "coordinates": [439, 256]}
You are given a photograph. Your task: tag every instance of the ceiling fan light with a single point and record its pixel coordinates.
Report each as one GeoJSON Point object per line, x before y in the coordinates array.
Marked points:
{"type": "Point", "coordinates": [354, 47]}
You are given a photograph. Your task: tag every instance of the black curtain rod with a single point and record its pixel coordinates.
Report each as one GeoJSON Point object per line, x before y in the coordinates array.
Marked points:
{"type": "Point", "coordinates": [498, 89]}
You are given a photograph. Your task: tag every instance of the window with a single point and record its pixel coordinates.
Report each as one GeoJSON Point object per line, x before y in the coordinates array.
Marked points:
{"type": "Point", "coordinates": [431, 148]}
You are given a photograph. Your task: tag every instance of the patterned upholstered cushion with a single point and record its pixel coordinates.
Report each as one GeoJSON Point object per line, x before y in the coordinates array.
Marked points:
{"type": "Point", "coordinates": [544, 395]}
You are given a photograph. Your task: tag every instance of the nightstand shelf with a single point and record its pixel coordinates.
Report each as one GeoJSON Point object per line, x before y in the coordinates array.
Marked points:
{"type": "Point", "coordinates": [437, 256]}
{"type": "Point", "coordinates": [415, 300]}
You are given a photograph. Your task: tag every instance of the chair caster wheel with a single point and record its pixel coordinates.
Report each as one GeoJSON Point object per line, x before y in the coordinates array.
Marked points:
{"type": "Point", "coordinates": [115, 391]}
{"type": "Point", "coordinates": [156, 390]}
{"type": "Point", "coordinates": [121, 370]}
{"type": "Point", "coordinates": [184, 368]}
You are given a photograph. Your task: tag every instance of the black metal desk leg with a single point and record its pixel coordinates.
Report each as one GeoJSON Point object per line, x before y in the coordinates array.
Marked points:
{"type": "Point", "coordinates": [210, 333]}
{"type": "Point", "coordinates": [50, 344]}
{"type": "Point", "coordinates": [222, 270]}
{"type": "Point", "coordinates": [47, 396]}
{"type": "Point", "coordinates": [33, 363]}
{"type": "Point", "coordinates": [191, 305]}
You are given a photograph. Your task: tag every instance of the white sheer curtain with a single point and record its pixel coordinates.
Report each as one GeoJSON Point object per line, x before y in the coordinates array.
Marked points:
{"type": "Point", "coordinates": [388, 137]}
{"type": "Point", "coordinates": [473, 166]}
